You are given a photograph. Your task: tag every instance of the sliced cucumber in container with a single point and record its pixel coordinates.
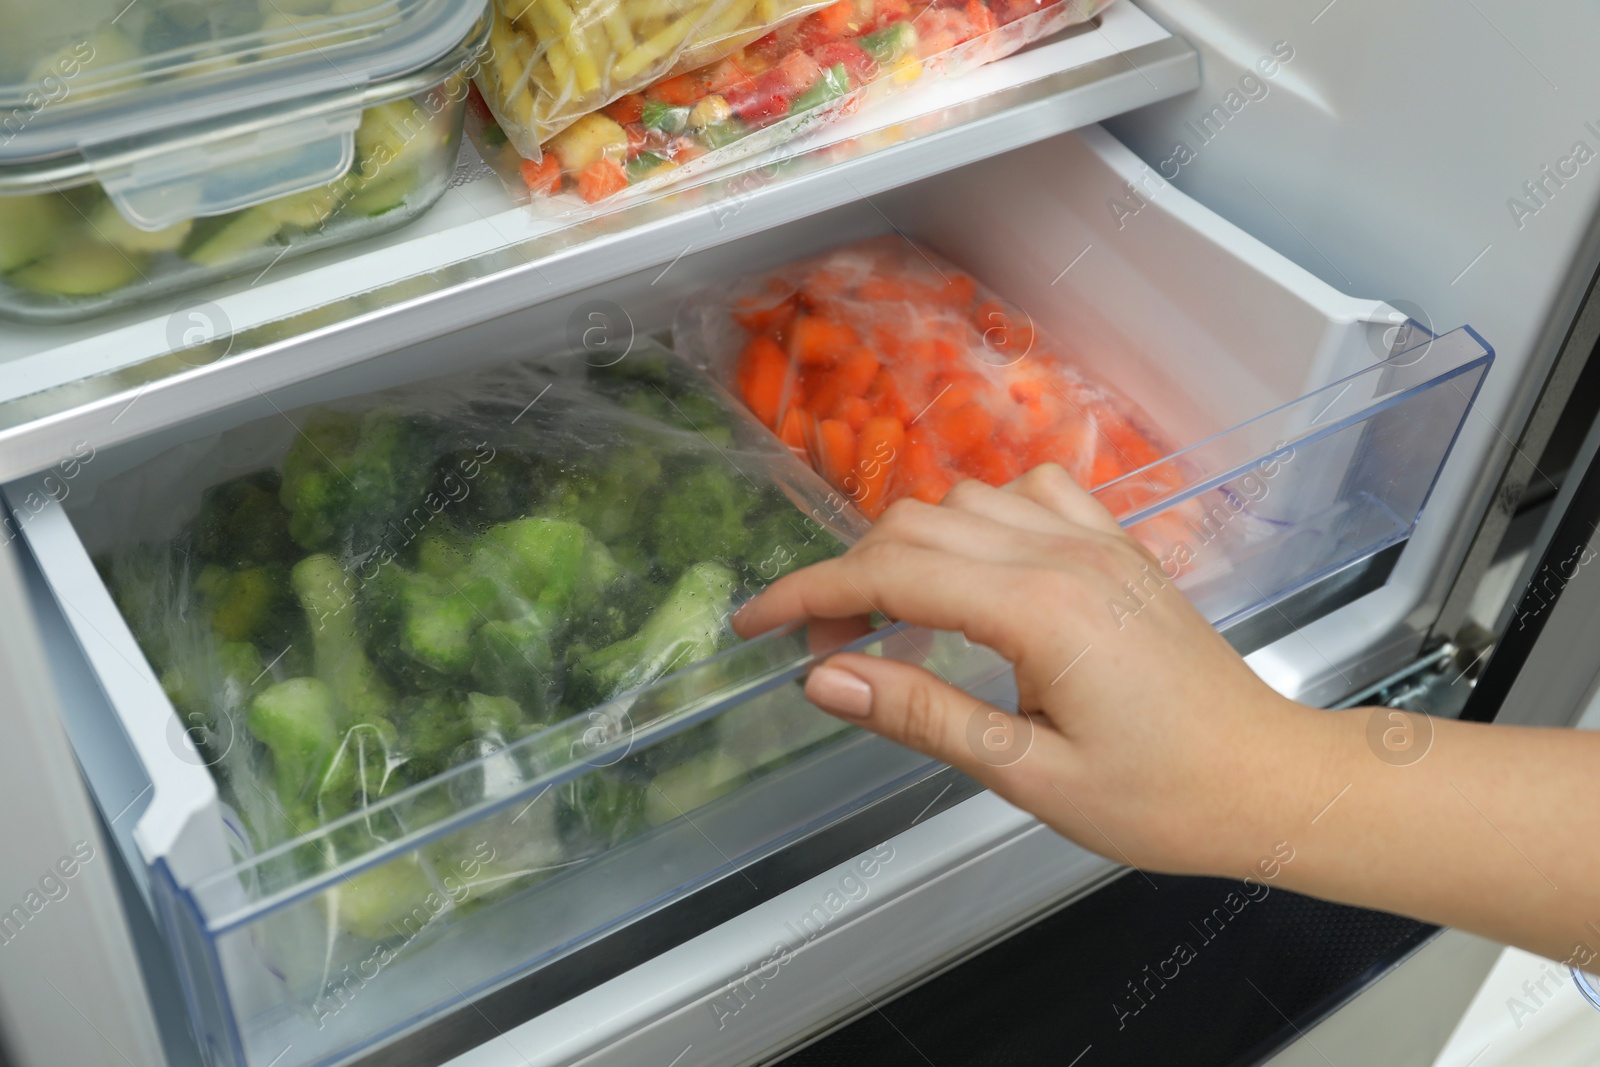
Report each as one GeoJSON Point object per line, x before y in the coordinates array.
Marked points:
{"type": "Point", "coordinates": [81, 266]}
{"type": "Point", "coordinates": [384, 195]}
{"type": "Point", "coordinates": [29, 226]}
{"type": "Point", "coordinates": [393, 136]}
{"type": "Point", "coordinates": [307, 210]}
{"type": "Point", "coordinates": [107, 223]}
{"type": "Point", "coordinates": [234, 236]}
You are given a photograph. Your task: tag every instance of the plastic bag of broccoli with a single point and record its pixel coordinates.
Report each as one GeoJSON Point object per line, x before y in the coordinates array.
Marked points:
{"type": "Point", "coordinates": [345, 601]}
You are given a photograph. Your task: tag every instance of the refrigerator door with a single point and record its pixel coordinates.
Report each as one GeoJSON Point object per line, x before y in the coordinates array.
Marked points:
{"type": "Point", "coordinates": [1445, 159]}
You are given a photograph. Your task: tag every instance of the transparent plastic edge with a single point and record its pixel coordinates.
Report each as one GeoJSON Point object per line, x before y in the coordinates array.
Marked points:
{"type": "Point", "coordinates": [68, 170]}
{"type": "Point", "coordinates": [1314, 432]}
{"type": "Point", "coordinates": [579, 732]}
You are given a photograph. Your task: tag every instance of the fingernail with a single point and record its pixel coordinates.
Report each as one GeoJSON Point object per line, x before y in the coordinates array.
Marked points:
{"type": "Point", "coordinates": [840, 692]}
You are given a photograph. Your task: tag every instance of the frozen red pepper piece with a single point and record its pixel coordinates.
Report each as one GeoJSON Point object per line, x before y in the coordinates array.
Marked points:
{"type": "Point", "coordinates": [625, 110]}
{"type": "Point", "coordinates": [542, 177]}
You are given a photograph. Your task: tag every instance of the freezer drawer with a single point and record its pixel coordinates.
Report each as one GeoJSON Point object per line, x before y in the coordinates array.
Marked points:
{"type": "Point", "coordinates": [1306, 418]}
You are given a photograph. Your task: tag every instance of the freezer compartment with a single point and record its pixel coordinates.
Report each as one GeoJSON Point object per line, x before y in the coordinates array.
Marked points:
{"type": "Point", "coordinates": [1288, 430]}
{"type": "Point", "coordinates": [1308, 426]}
{"type": "Point", "coordinates": [501, 886]}
{"type": "Point", "coordinates": [1223, 342]}
{"type": "Point", "coordinates": [272, 920]}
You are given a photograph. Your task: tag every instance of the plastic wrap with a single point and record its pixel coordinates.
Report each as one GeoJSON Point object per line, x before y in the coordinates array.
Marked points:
{"type": "Point", "coordinates": [67, 254]}
{"type": "Point", "coordinates": [552, 62]}
{"type": "Point", "coordinates": [827, 64]}
{"type": "Point", "coordinates": [369, 593]}
{"type": "Point", "coordinates": [895, 373]}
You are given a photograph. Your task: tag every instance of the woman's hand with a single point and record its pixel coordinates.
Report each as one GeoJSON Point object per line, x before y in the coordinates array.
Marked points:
{"type": "Point", "coordinates": [1147, 740]}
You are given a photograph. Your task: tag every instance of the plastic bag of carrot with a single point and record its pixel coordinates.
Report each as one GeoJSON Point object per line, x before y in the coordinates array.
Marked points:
{"type": "Point", "coordinates": [895, 373]}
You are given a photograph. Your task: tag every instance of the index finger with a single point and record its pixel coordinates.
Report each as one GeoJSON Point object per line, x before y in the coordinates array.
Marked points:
{"type": "Point", "coordinates": [905, 582]}
{"type": "Point", "coordinates": [1052, 488]}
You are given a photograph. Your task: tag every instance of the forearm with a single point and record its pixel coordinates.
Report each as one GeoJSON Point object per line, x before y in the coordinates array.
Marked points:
{"type": "Point", "coordinates": [1495, 829]}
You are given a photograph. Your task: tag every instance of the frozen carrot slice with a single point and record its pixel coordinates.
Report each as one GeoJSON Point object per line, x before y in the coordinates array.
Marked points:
{"type": "Point", "coordinates": [1029, 391]}
{"type": "Point", "coordinates": [853, 410]}
{"type": "Point", "coordinates": [995, 466]}
{"type": "Point", "coordinates": [1106, 468]}
{"type": "Point", "coordinates": [837, 20]}
{"type": "Point", "coordinates": [1004, 330]}
{"type": "Point", "coordinates": [835, 452]}
{"type": "Point", "coordinates": [920, 472]}
{"type": "Point", "coordinates": [957, 291]}
{"type": "Point", "coordinates": [956, 389]}
{"type": "Point", "coordinates": [980, 19]}
{"type": "Point", "coordinates": [880, 290]}
{"type": "Point", "coordinates": [625, 110]}
{"type": "Point", "coordinates": [819, 341]}
{"type": "Point", "coordinates": [763, 316]}
{"type": "Point", "coordinates": [823, 286]}
{"type": "Point", "coordinates": [792, 431]}
{"type": "Point", "coordinates": [684, 90]}
{"type": "Point", "coordinates": [884, 396]}
{"type": "Point", "coordinates": [857, 370]}
{"type": "Point", "coordinates": [763, 371]}
{"type": "Point", "coordinates": [968, 427]}
{"type": "Point", "coordinates": [1132, 447]}
{"type": "Point", "coordinates": [878, 452]}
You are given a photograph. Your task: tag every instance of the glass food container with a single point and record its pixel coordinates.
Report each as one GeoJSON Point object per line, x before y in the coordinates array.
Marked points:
{"type": "Point", "coordinates": [150, 148]}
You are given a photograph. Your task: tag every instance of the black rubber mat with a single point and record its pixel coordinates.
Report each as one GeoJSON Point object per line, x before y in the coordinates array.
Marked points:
{"type": "Point", "coordinates": [1154, 970]}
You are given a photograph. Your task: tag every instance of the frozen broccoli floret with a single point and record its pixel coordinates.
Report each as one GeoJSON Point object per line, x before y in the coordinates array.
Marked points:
{"type": "Point", "coordinates": [443, 550]}
{"type": "Point", "coordinates": [246, 604]}
{"type": "Point", "coordinates": [601, 808]}
{"type": "Point", "coordinates": [350, 481]}
{"type": "Point", "coordinates": [609, 501]}
{"type": "Point", "coordinates": [688, 785]}
{"type": "Point", "coordinates": [433, 726]}
{"type": "Point", "coordinates": [547, 563]}
{"type": "Point", "coordinates": [496, 718]}
{"type": "Point", "coordinates": [783, 540]}
{"type": "Point", "coordinates": [422, 624]}
{"type": "Point", "coordinates": [241, 523]}
{"type": "Point", "coordinates": [689, 411]}
{"type": "Point", "coordinates": [206, 682]}
{"type": "Point", "coordinates": [212, 677]}
{"type": "Point", "coordinates": [394, 900]}
{"type": "Point", "coordinates": [652, 386]}
{"type": "Point", "coordinates": [488, 491]}
{"type": "Point", "coordinates": [515, 659]}
{"type": "Point", "coordinates": [341, 661]}
{"type": "Point", "coordinates": [298, 721]}
{"type": "Point", "coordinates": [702, 516]}
{"type": "Point", "coordinates": [690, 625]}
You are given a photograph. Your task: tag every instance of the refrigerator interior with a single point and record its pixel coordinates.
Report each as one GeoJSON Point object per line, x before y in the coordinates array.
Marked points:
{"type": "Point", "coordinates": [1321, 137]}
{"type": "Point", "coordinates": [1300, 384]}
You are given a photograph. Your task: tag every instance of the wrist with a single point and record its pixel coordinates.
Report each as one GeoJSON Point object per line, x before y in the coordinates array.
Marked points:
{"type": "Point", "coordinates": [1296, 769]}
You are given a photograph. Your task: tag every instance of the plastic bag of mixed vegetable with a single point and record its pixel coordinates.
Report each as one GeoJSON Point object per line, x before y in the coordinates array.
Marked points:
{"type": "Point", "coordinates": [351, 599]}
{"type": "Point", "coordinates": [550, 62]}
{"type": "Point", "coordinates": [827, 64]}
{"type": "Point", "coordinates": [895, 373]}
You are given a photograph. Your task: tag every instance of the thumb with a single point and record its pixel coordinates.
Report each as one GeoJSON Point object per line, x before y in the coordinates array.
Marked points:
{"type": "Point", "coordinates": [912, 707]}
